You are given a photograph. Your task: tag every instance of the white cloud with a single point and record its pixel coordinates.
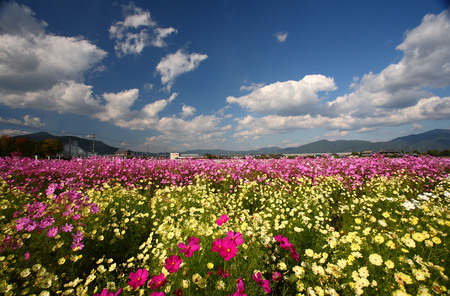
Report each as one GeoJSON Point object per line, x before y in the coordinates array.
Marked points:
{"type": "Point", "coordinates": [281, 36]}
{"type": "Point", "coordinates": [200, 129]}
{"type": "Point", "coordinates": [28, 120]}
{"type": "Point", "coordinates": [13, 132]}
{"type": "Point", "coordinates": [417, 127]}
{"type": "Point", "coordinates": [43, 71]}
{"type": "Point", "coordinates": [176, 64]}
{"type": "Point", "coordinates": [428, 108]}
{"type": "Point", "coordinates": [187, 111]}
{"type": "Point", "coordinates": [251, 87]}
{"type": "Point", "coordinates": [289, 97]}
{"type": "Point", "coordinates": [118, 105]}
{"type": "Point", "coordinates": [400, 94]}
{"type": "Point", "coordinates": [137, 31]}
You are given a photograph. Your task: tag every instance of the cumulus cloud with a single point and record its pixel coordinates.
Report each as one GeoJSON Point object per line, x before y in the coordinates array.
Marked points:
{"type": "Point", "coordinates": [187, 111]}
{"type": "Point", "coordinates": [400, 94]}
{"type": "Point", "coordinates": [28, 120]}
{"type": "Point", "coordinates": [137, 31]}
{"type": "Point", "coordinates": [43, 71]}
{"type": "Point", "coordinates": [13, 132]}
{"type": "Point", "coordinates": [281, 36]}
{"type": "Point", "coordinates": [289, 97]}
{"type": "Point", "coordinates": [176, 64]}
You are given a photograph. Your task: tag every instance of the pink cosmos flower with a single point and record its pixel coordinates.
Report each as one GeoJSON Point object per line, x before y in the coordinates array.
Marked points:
{"type": "Point", "coordinates": [222, 219]}
{"type": "Point", "coordinates": [284, 242]}
{"type": "Point", "coordinates": [26, 256]}
{"type": "Point", "coordinates": [51, 232]}
{"type": "Point", "coordinates": [240, 288]}
{"type": "Point", "coordinates": [276, 276]}
{"type": "Point", "coordinates": [157, 294]}
{"type": "Point", "coordinates": [67, 227]}
{"type": "Point", "coordinates": [190, 248]}
{"type": "Point", "coordinates": [157, 281]}
{"type": "Point", "coordinates": [236, 237]}
{"type": "Point", "coordinates": [173, 263]}
{"type": "Point", "coordinates": [223, 273]}
{"type": "Point", "coordinates": [265, 284]}
{"type": "Point", "coordinates": [294, 253]}
{"type": "Point", "coordinates": [217, 245]}
{"type": "Point", "coordinates": [138, 278]}
{"type": "Point", "coordinates": [228, 249]}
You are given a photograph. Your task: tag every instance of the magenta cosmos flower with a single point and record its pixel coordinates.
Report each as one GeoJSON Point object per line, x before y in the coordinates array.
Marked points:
{"type": "Point", "coordinates": [276, 276]}
{"type": "Point", "coordinates": [265, 284]}
{"type": "Point", "coordinates": [236, 237]}
{"type": "Point", "coordinates": [157, 294]}
{"type": "Point", "coordinates": [240, 288]}
{"type": "Point", "coordinates": [190, 248]}
{"type": "Point", "coordinates": [228, 249]}
{"type": "Point", "coordinates": [138, 278]}
{"type": "Point", "coordinates": [173, 263]}
{"type": "Point", "coordinates": [222, 219]}
{"type": "Point", "coordinates": [157, 281]}
{"type": "Point", "coordinates": [52, 232]}
{"type": "Point", "coordinates": [284, 242]}
{"type": "Point", "coordinates": [294, 253]}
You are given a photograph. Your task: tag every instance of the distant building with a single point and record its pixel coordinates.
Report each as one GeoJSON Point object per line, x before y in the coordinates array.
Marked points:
{"type": "Point", "coordinates": [367, 153]}
{"type": "Point", "coordinates": [183, 156]}
{"type": "Point", "coordinates": [390, 152]}
{"type": "Point", "coordinates": [122, 152]}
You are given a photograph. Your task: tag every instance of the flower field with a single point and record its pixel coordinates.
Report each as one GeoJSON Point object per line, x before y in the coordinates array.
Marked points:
{"type": "Point", "coordinates": [322, 226]}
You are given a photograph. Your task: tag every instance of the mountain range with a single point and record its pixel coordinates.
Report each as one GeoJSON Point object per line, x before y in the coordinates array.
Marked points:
{"type": "Point", "coordinates": [438, 139]}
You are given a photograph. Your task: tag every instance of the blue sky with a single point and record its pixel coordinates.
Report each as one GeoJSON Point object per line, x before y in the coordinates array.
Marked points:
{"type": "Point", "coordinates": [179, 75]}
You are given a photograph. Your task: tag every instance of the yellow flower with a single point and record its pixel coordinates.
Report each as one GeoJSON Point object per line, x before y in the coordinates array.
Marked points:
{"type": "Point", "coordinates": [410, 243]}
{"type": "Point", "coordinates": [389, 264]}
{"type": "Point", "coordinates": [309, 252]}
{"type": "Point", "coordinates": [362, 283]}
{"type": "Point", "coordinates": [379, 239]}
{"type": "Point", "coordinates": [419, 274]}
{"type": "Point", "coordinates": [436, 240]}
{"type": "Point", "coordinates": [210, 265]}
{"type": "Point", "coordinates": [376, 259]}
{"type": "Point", "coordinates": [363, 272]}
{"type": "Point", "coordinates": [390, 244]}
{"type": "Point", "coordinates": [358, 221]}
{"type": "Point", "coordinates": [417, 236]}
{"type": "Point", "coordinates": [386, 214]}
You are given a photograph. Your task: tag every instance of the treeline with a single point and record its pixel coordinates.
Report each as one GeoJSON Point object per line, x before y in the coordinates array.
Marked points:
{"type": "Point", "coordinates": [29, 148]}
{"type": "Point", "coordinates": [438, 153]}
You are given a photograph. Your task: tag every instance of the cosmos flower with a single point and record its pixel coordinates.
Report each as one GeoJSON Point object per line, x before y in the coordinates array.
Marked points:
{"type": "Point", "coordinates": [236, 237]}
{"type": "Point", "coordinates": [138, 278]}
{"type": "Point", "coordinates": [52, 232]}
{"type": "Point", "coordinates": [157, 281]}
{"type": "Point", "coordinates": [173, 263]}
{"type": "Point", "coordinates": [228, 249]}
{"type": "Point", "coordinates": [222, 219]}
{"type": "Point", "coordinates": [190, 248]}
{"type": "Point", "coordinates": [265, 284]}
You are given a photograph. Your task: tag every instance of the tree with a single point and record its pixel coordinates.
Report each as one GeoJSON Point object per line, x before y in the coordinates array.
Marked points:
{"type": "Point", "coordinates": [7, 145]}
{"type": "Point", "coordinates": [50, 147]}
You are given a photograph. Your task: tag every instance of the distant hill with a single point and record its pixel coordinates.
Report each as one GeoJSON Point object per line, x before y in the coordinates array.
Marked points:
{"type": "Point", "coordinates": [77, 145]}
{"type": "Point", "coordinates": [438, 139]}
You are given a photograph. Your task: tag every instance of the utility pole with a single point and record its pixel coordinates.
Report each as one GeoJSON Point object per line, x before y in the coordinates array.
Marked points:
{"type": "Point", "coordinates": [93, 144]}
{"type": "Point", "coordinates": [70, 147]}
